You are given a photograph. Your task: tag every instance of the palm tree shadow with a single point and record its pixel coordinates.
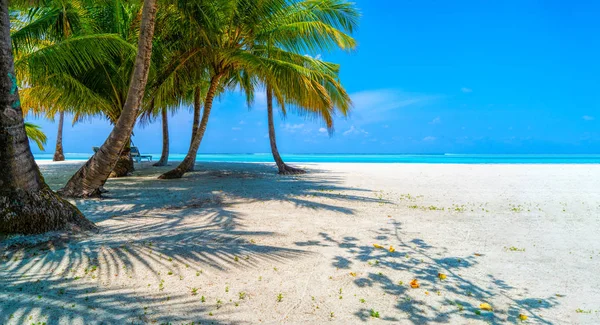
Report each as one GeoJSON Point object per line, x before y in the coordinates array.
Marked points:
{"type": "Point", "coordinates": [423, 262]}
{"type": "Point", "coordinates": [160, 231]}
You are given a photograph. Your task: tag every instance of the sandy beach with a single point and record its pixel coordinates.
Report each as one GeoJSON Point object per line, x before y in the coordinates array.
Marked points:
{"type": "Point", "coordinates": [234, 243]}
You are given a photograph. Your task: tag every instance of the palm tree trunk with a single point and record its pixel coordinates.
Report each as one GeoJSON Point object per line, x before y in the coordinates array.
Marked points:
{"type": "Point", "coordinates": [196, 124]}
{"type": "Point", "coordinates": [58, 152]}
{"type": "Point", "coordinates": [190, 158]}
{"type": "Point", "coordinates": [27, 205]}
{"type": "Point", "coordinates": [90, 177]}
{"type": "Point", "coordinates": [164, 157]}
{"type": "Point", "coordinates": [283, 168]}
{"type": "Point", "coordinates": [124, 166]}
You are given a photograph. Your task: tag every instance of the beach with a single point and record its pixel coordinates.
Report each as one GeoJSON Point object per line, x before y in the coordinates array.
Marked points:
{"type": "Point", "coordinates": [235, 243]}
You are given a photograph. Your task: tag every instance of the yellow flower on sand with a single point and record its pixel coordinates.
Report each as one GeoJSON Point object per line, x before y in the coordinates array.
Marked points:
{"type": "Point", "coordinates": [377, 246]}
{"type": "Point", "coordinates": [441, 276]}
{"type": "Point", "coordinates": [522, 317]}
{"type": "Point", "coordinates": [353, 273]}
{"type": "Point", "coordinates": [392, 249]}
{"type": "Point", "coordinates": [485, 306]}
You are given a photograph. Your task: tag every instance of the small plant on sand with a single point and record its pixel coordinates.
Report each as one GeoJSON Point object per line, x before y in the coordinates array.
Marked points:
{"type": "Point", "coordinates": [170, 272]}
{"type": "Point", "coordinates": [219, 303]}
{"type": "Point", "coordinates": [242, 295]}
{"type": "Point", "coordinates": [227, 289]}
{"type": "Point", "coordinates": [581, 311]}
{"type": "Point", "coordinates": [279, 297]}
{"type": "Point", "coordinates": [331, 315]}
{"type": "Point", "coordinates": [203, 299]}
{"type": "Point", "coordinates": [374, 314]}
{"type": "Point", "coordinates": [514, 249]}
{"type": "Point", "coordinates": [362, 301]}
{"type": "Point", "coordinates": [194, 291]}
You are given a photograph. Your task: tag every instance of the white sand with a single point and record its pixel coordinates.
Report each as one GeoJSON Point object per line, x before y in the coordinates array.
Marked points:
{"type": "Point", "coordinates": [523, 238]}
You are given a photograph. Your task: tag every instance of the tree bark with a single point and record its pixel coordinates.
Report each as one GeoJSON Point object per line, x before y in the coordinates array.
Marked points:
{"type": "Point", "coordinates": [58, 152]}
{"type": "Point", "coordinates": [164, 157]}
{"type": "Point", "coordinates": [88, 180]}
{"type": "Point", "coordinates": [283, 168]}
{"type": "Point", "coordinates": [124, 166]}
{"type": "Point", "coordinates": [196, 123]}
{"type": "Point", "coordinates": [27, 205]}
{"type": "Point", "coordinates": [190, 158]}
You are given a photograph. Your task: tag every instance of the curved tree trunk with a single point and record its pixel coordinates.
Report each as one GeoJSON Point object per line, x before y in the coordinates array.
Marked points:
{"type": "Point", "coordinates": [283, 168]}
{"type": "Point", "coordinates": [164, 157]}
{"type": "Point", "coordinates": [124, 166]}
{"type": "Point", "coordinates": [27, 205]}
{"type": "Point", "coordinates": [190, 158]}
{"type": "Point", "coordinates": [196, 124]}
{"type": "Point", "coordinates": [58, 152]}
{"type": "Point", "coordinates": [90, 177]}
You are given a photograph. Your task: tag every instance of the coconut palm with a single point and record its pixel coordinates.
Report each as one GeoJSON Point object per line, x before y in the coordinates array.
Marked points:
{"type": "Point", "coordinates": [309, 26]}
{"type": "Point", "coordinates": [94, 90]}
{"type": "Point", "coordinates": [27, 205]}
{"type": "Point", "coordinates": [228, 32]}
{"type": "Point", "coordinates": [55, 21]}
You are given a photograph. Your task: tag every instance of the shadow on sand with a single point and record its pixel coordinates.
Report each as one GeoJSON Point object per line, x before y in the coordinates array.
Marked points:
{"type": "Point", "coordinates": [145, 230]}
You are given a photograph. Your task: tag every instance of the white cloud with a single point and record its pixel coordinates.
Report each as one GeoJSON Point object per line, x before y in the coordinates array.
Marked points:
{"type": "Point", "coordinates": [236, 128]}
{"type": "Point", "coordinates": [588, 118]}
{"type": "Point", "coordinates": [381, 105]}
{"type": "Point", "coordinates": [466, 90]}
{"type": "Point", "coordinates": [436, 120]}
{"type": "Point", "coordinates": [323, 130]}
{"type": "Point", "coordinates": [242, 122]}
{"type": "Point", "coordinates": [353, 130]}
{"type": "Point", "coordinates": [292, 128]}
{"type": "Point", "coordinates": [429, 138]}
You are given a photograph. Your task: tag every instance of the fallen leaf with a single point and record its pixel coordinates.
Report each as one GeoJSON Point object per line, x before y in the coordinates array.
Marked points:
{"type": "Point", "coordinates": [441, 276]}
{"type": "Point", "coordinates": [377, 246]}
{"type": "Point", "coordinates": [392, 249]}
{"type": "Point", "coordinates": [414, 284]}
{"type": "Point", "coordinates": [522, 317]}
{"type": "Point", "coordinates": [485, 306]}
{"type": "Point", "coordinates": [353, 273]}
{"type": "Point", "coordinates": [477, 254]}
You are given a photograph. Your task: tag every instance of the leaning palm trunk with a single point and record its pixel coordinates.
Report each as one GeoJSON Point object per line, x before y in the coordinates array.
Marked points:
{"type": "Point", "coordinates": [124, 166]}
{"type": "Point", "coordinates": [283, 168]}
{"type": "Point", "coordinates": [58, 152]}
{"type": "Point", "coordinates": [90, 178]}
{"type": "Point", "coordinates": [27, 205]}
{"type": "Point", "coordinates": [196, 124]}
{"type": "Point", "coordinates": [164, 157]}
{"type": "Point", "coordinates": [190, 158]}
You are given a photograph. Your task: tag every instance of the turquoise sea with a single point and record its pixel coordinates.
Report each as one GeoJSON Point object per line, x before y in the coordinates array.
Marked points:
{"type": "Point", "coordinates": [371, 158]}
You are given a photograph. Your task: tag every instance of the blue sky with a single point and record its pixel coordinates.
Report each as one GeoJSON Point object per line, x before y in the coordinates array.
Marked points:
{"type": "Point", "coordinates": [428, 77]}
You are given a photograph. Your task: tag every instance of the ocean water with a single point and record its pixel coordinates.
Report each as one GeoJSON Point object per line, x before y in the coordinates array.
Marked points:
{"type": "Point", "coordinates": [370, 158]}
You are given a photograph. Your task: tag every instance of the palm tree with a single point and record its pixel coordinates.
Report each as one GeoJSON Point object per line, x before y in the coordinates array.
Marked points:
{"type": "Point", "coordinates": [226, 36]}
{"type": "Point", "coordinates": [27, 205]}
{"type": "Point", "coordinates": [91, 177]}
{"type": "Point", "coordinates": [308, 26]}
{"type": "Point", "coordinates": [56, 21]}
{"type": "Point", "coordinates": [55, 91]}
